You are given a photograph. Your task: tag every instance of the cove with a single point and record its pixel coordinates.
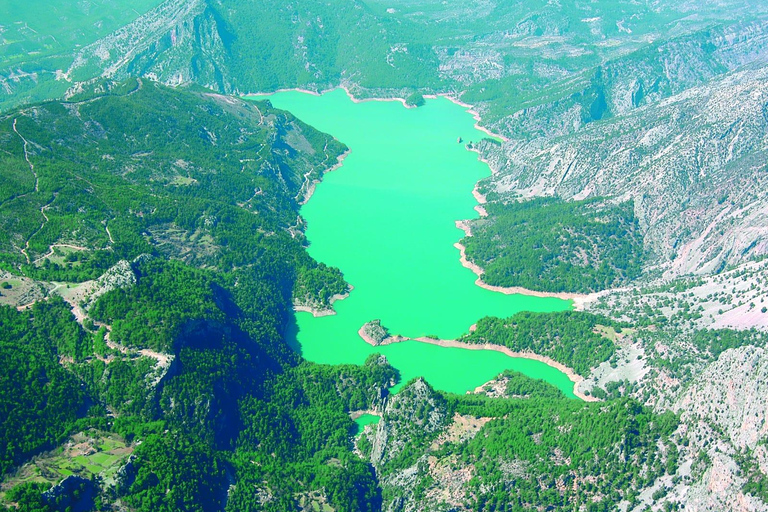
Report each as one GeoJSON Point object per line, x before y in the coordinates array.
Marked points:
{"type": "Point", "coordinates": [386, 218]}
{"type": "Point", "coordinates": [366, 419]}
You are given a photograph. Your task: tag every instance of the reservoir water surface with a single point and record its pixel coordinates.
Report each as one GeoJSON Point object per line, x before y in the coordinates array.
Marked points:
{"type": "Point", "coordinates": [386, 218]}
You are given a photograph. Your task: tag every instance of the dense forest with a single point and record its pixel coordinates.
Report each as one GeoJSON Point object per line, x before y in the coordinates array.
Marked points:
{"type": "Point", "coordinates": [180, 351]}
{"type": "Point", "coordinates": [151, 253]}
{"type": "Point", "coordinates": [552, 245]}
{"type": "Point", "coordinates": [568, 337]}
{"type": "Point", "coordinates": [233, 395]}
{"type": "Point", "coordinates": [183, 357]}
{"type": "Point", "coordinates": [41, 400]}
{"type": "Point", "coordinates": [478, 453]}
{"type": "Point", "coordinates": [187, 175]}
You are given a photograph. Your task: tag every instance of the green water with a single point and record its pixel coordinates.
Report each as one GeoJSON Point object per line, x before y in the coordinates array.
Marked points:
{"type": "Point", "coordinates": [366, 419]}
{"type": "Point", "coordinates": [386, 218]}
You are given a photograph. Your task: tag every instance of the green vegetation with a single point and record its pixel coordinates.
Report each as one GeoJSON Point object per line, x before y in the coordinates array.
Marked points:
{"type": "Point", "coordinates": [568, 337]}
{"type": "Point", "coordinates": [521, 386]}
{"type": "Point", "coordinates": [234, 394]}
{"type": "Point", "coordinates": [193, 370]}
{"type": "Point", "coordinates": [41, 401]}
{"type": "Point", "coordinates": [115, 195]}
{"type": "Point", "coordinates": [42, 28]}
{"type": "Point", "coordinates": [681, 352]}
{"type": "Point", "coordinates": [188, 368]}
{"type": "Point", "coordinates": [756, 482]}
{"type": "Point", "coordinates": [415, 100]}
{"type": "Point", "coordinates": [167, 296]}
{"type": "Point", "coordinates": [552, 245]}
{"type": "Point", "coordinates": [174, 472]}
{"type": "Point", "coordinates": [713, 342]}
{"type": "Point", "coordinates": [541, 449]}
{"type": "Point", "coordinates": [91, 454]}
{"type": "Point", "coordinates": [40, 37]}
{"type": "Point", "coordinates": [613, 445]}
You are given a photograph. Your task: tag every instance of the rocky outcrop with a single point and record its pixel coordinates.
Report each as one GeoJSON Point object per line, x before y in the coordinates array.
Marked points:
{"type": "Point", "coordinates": [415, 411]}
{"type": "Point", "coordinates": [175, 43]}
{"type": "Point", "coordinates": [376, 334]}
{"type": "Point", "coordinates": [722, 432]}
{"type": "Point", "coordinates": [121, 275]}
{"type": "Point", "coordinates": [732, 393]}
{"type": "Point", "coordinates": [723, 420]}
{"type": "Point", "coordinates": [694, 165]}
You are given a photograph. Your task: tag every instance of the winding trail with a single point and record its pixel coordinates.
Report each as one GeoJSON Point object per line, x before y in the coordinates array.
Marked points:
{"type": "Point", "coordinates": [31, 167]}
{"type": "Point", "coordinates": [50, 251]}
{"type": "Point", "coordinates": [26, 157]}
{"type": "Point", "coordinates": [35, 190]}
{"type": "Point", "coordinates": [42, 225]}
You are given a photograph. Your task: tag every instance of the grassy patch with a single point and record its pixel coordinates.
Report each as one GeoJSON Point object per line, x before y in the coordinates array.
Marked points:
{"type": "Point", "coordinates": [85, 454]}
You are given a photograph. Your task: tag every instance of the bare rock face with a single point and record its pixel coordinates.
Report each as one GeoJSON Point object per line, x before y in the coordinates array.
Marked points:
{"type": "Point", "coordinates": [720, 490]}
{"type": "Point", "coordinates": [121, 275]}
{"type": "Point", "coordinates": [376, 334]}
{"type": "Point", "coordinates": [416, 410]}
{"type": "Point", "coordinates": [723, 415]}
{"type": "Point", "coordinates": [693, 163]}
{"type": "Point", "coordinates": [677, 127]}
{"type": "Point", "coordinates": [175, 43]}
{"type": "Point", "coordinates": [416, 416]}
{"type": "Point", "coordinates": [732, 393]}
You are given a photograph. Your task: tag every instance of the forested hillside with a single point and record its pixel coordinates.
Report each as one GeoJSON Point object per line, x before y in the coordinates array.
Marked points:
{"type": "Point", "coordinates": [140, 168]}
{"type": "Point", "coordinates": [435, 451]}
{"type": "Point", "coordinates": [557, 246]}
{"type": "Point", "coordinates": [152, 251]}
{"type": "Point", "coordinates": [180, 352]}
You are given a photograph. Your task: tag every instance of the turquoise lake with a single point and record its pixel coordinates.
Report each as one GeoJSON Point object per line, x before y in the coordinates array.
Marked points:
{"type": "Point", "coordinates": [386, 218]}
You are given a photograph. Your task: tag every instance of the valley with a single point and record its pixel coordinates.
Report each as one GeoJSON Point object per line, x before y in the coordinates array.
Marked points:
{"type": "Point", "coordinates": [380, 219]}
{"type": "Point", "coordinates": [218, 300]}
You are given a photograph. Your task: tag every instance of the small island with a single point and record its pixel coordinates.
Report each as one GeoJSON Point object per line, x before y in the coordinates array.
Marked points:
{"type": "Point", "coordinates": [376, 334]}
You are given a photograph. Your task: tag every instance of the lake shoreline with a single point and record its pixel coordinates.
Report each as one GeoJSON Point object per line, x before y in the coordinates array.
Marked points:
{"type": "Point", "coordinates": [471, 111]}
{"type": "Point", "coordinates": [313, 185]}
{"type": "Point", "coordinates": [334, 340]}
{"type": "Point", "coordinates": [320, 93]}
{"type": "Point", "coordinates": [354, 415]}
{"type": "Point", "coordinates": [317, 313]}
{"type": "Point", "coordinates": [568, 372]}
{"type": "Point", "coordinates": [579, 300]}
{"type": "Point", "coordinates": [469, 108]}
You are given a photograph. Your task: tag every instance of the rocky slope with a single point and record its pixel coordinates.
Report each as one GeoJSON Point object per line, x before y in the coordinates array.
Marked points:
{"type": "Point", "coordinates": [505, 54]}
{"type": "Point", "coordinates": [693, 164]}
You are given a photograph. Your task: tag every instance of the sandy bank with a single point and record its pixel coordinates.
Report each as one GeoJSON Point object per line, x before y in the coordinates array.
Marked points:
{"type": "Point", "coordinates": [579, 300]}
{"type": "Point", "coordinates": [363, 100]}
{"type": "Point", "coordinates": [342, 87]}
{"type": "Point", "coordinates": [353, 415]}
{"type": "Point", "coordinates": [317, 313]}
{"type": "Point", "coordinates": [471, 111]}
{"type": "Point", "coordinates": [573, 376]}
{"type": "Point", "coordinates": [480, 198]}
{"type": "Point", "coordinates": [324, 312]}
